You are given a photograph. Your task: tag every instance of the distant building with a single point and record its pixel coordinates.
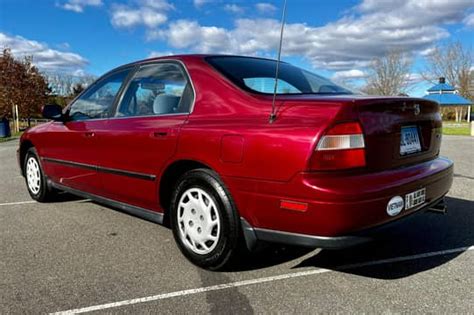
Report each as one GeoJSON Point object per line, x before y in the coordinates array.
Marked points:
{"type": "Point", "coordinates": [449, 100]}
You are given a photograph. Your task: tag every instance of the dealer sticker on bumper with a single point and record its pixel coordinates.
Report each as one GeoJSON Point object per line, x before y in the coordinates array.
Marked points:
{"type": "Point", "coordinates": [413, 199]}
{"type": "Point", "coordinates": [395, 206]}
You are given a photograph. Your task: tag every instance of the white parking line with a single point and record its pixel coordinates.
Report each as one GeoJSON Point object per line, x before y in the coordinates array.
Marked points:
{"type": "Point", "coordinates": [33, 201]}
{"type": "Point", "coordinates": [261, 280]}
{"type": "Point", "coordinates": [17, 203]}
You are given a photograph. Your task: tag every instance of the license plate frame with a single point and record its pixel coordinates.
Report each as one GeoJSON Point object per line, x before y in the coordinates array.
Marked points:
{"type": "Point", "coordinates": [415, 198]}
{"type": "Point", "coordinates": [409, 140]}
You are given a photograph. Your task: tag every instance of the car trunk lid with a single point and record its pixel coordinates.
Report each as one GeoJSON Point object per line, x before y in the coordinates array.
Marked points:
{"type": "Point", "coordinates": [389, 122]}
{"type": "Point", "coordinates": [382, 120]}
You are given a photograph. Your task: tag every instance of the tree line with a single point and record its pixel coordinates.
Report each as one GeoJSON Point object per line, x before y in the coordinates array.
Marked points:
{"type": "Point", "coordinates": [22, 85]}
{"type": "Point", "coordinates": [392, 73]}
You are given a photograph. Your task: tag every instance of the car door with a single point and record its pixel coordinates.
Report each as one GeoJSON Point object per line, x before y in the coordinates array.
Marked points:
{"type": "Point", "coordinates": [143, 135]}
{"type": "Point", "coordinates": [71, 150]}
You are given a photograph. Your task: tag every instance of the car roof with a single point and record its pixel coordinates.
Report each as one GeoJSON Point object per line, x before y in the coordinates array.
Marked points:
{"type": "Point", "coordinates": [181, 57]}
{"type": "Point", "coordinates": [191, 56]}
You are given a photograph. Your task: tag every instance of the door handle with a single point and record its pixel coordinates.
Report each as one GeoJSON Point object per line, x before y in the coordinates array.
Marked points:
{"type": "Point", "coordinates": [160, 134]}
{"type": "Point", "coordinates": [89, 134]}
{"type": "Point", "coordinates": [164, 132]}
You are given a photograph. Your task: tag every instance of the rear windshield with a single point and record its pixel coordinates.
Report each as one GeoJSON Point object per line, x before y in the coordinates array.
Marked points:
{"type": "Point", "coordinates": [258, 75]}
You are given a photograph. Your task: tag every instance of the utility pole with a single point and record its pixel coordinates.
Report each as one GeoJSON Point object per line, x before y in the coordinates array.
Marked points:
{"type": "Point", "coordinates": [13, 118]}
{"type": "Point", "coordinates": [17, 119]}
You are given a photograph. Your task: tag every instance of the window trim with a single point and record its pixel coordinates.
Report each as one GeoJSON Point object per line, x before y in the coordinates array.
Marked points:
{"type": "Point", "coordinates": [146, 63]}
{"type": "Point", "coordinates": [131, 68]}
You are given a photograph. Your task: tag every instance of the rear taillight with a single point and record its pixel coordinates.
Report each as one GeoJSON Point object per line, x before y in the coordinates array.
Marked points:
{"type": "Point", "coordinates": [341, 147]}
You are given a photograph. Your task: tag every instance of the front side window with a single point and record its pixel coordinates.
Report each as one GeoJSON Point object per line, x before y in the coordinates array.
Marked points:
{"type": "Point", "coordinates": [157, 89]}
{"type": "Point", "coordinates": [97, 101]}
{"type": "Point", "coordinates": [258, 75]}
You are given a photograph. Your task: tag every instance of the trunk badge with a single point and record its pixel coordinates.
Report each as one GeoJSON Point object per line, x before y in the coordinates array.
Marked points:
{"type": "Point", "coordinates": [416, 109]}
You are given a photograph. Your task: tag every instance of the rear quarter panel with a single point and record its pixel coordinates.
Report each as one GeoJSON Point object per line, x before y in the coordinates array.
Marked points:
{"type": "Point", "coordinates": [269, 151]}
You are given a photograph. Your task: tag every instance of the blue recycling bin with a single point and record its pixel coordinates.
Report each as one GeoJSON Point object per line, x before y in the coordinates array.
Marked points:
{"type": "Point", "coordinates": [4, 128]}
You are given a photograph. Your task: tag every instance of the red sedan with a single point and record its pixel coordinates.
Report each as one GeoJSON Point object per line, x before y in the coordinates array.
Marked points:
{"type": "Point", "coordinates": [194, 142]}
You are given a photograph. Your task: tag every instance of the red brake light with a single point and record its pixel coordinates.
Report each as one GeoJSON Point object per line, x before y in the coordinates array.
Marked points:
{"type": "Point", "coordinates": [345, 129]}
{"type": "Point", "coordinates": [342, 147]}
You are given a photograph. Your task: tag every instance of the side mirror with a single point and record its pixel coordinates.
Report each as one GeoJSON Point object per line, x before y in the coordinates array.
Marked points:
{"type": "Point", "coordinates": [54, 112]}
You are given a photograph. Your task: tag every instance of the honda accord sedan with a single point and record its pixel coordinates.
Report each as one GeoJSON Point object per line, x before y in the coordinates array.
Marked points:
{"type": "Point", "coordinates": [227, 156]}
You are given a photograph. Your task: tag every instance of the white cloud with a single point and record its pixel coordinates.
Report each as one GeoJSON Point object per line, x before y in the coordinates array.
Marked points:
{"type": "Point", "coordinates": [414, 78]}
{"type": "Point", "coordinates": [469, 20]}
{"type": "Point", "coordinates": [233, 8]}
{"type": "Point", "coordinates": [428, 51]}
{"type": "Point", "coordinates": [154, 54]}
{"type": "Point", "coordinates": [79, 5]}
{"type": "Point", "coordinates": [264, 7]}
{"type": "Point", "coordinates": [163, 5]}
{"type": "Point", "coordinates": [200, 3]}
{"type": "Point", "coordinates": [348, 43]}
{"type": "Point", "coordinates": [45, 58]}
{"type": "Point", "coordinates": [348, 75]}
{"type": "Point", "coordinates": [150, 13]}
{"type": "Point", "coordinates": [123, 16]}
{"type": "Point", "coordinates": [186, 34]}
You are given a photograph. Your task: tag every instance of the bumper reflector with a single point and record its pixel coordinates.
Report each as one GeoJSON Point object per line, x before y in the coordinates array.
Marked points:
{"type": "Point", "coordinates": [293, 205]}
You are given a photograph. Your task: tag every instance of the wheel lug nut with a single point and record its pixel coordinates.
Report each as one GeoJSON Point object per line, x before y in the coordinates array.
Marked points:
{"type": "Point", "coordinates": [191, 223]}
{"type": "Point", "coordinates": [199, 230]}
{"type": "Point", "coordinates": [201, 217]}
{"type": "Point", "coordinates": [193, 211]}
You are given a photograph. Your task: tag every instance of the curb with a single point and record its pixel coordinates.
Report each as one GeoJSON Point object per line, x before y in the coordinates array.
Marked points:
{"type": "Point", "coordinates": [3, 140]}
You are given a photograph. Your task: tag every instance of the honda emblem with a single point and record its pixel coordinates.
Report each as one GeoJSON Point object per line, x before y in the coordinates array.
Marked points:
{"type": "Point", "coordinates": [416, 109]}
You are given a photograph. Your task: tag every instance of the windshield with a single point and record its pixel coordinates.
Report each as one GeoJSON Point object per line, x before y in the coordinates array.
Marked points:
{"type": "Point", "coordinates": [258, 75]}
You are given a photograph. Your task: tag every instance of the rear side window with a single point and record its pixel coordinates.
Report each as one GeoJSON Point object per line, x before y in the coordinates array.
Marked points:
{"type": "Point", "coordinates": [97, 100]}
{"type": "Point", "coordinates": [267, 85]}
{"type": "Point", "coordinates": [157, 89]}
{"type": "Point", "coordinates": [258, 75]}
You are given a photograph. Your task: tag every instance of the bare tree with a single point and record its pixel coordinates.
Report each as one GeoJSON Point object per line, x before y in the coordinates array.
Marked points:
{"type": "Point", "coordinates": [60, 83]}
{"type": "Point", "coordinates": [453, 62]}
{"type": "Point", "coordinates": [64, 84]}
{"type": "Point", "coordinates": [388, 75]}
{"type": "Point", "coordinates": [87, 80]}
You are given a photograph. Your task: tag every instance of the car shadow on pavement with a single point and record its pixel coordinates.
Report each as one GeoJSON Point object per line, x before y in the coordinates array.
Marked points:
{"type": "Point", "coordinates": [267, 255]}
{"type": "Point", "coordinates": [426, 233]}
{"type": "Point", "coordinates": [66, 197]}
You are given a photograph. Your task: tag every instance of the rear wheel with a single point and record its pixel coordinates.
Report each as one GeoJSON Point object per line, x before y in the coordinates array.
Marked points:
{"type": "Point", "coordinates": [204, 220]}
{"type": "Point", "coordinates": [35, 180]}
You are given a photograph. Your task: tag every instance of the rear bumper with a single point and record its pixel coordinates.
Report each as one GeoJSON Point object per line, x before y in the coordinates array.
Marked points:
{"type": "Point", "coordinates": [339, 205]}
{"type": "Point", "coordinates": [253, 235]}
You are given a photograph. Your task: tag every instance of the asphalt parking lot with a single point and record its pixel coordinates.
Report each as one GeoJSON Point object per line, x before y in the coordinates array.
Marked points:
{"type": "Point", "coordinates": [79, 256]}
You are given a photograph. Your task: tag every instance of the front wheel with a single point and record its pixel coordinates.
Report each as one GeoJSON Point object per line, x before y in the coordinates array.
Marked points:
{"type": "Point", "coordinates": [204, 220]}
{"type": "Point", "coordinates": [35, 178]}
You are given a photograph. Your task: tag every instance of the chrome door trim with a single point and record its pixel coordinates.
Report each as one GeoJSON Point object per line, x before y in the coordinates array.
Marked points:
{"type": "Point", "coordinates": [101, 169]}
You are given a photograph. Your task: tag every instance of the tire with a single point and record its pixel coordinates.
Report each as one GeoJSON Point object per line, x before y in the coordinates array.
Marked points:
{"type": "Point", "coordinates": [36, 182]}
{"type": "Point", "coordinates": [204, 220]}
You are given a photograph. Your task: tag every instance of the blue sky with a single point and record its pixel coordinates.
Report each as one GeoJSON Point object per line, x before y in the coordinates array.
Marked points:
{"type": "Point", "coordinates": [333, 38]}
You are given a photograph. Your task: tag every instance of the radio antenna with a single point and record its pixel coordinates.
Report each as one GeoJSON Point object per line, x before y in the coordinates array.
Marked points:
{"type": "Point", "coordinates": [273, 114]}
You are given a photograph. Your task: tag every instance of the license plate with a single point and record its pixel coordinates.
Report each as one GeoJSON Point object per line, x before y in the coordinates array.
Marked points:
{"type": "Point", "coordinates": [409, 140]}
{"type": "Point", "coordinates": [415, 198]}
